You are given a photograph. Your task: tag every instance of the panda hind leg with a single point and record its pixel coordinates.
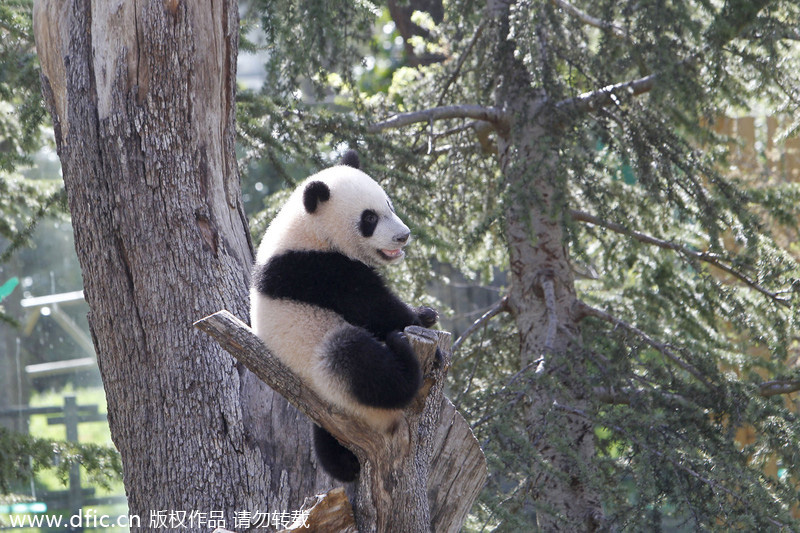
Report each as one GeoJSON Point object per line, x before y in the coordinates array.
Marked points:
{"type": "Point", "coordinates": [335, 459]}
{"type": "Point", "coordinates": [384, 375]}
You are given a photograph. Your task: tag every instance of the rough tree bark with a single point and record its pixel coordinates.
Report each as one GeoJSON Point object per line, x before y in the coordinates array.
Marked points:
{"type": "Point", "coordinates": [541, 299]}
{"type": "Point", "coordinates": [142, 100]}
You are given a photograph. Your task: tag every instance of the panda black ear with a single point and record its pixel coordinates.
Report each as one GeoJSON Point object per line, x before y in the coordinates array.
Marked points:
{"type": "Point", "coordinates": [315, 193]}
{"type": "Point", "coordinates": [350, 159]}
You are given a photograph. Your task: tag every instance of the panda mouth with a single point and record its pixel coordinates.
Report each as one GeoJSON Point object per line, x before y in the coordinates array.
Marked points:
{"type": "Point", "coordinates": [391, 255]}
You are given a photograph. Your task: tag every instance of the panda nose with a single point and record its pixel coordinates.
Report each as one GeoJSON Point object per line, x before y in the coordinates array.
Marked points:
{"type": "Point", "coordinates": [402, 238]}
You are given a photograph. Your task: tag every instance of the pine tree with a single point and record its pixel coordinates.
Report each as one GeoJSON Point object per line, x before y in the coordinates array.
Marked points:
{"type": "Point", "coordinates": [649, 312]}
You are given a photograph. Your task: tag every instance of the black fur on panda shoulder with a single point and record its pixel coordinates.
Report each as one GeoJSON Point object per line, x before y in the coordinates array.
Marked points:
{"type": "Point", "coordinates": [345, 286]}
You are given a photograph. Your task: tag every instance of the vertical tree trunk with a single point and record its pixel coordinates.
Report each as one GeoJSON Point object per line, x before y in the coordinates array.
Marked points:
{"type": "Point", "coordinates": [142, 99]}
{"type": "Point", "coordinates": [541, 298]}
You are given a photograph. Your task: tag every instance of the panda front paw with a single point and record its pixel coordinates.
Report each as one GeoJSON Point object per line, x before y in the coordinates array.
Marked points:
{"type": "Point", "coordinates": [427, 316]}
{"type": "Point", "coordinates": [398, 343]}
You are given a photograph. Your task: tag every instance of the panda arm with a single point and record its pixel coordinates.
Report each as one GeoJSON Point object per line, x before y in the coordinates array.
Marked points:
{"type": "Point", "coordinates": [386, 376]}
{"type": "Point", "coordinates": [333, 281]}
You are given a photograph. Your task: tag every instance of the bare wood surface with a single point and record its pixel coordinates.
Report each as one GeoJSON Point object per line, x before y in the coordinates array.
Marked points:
{"type": "Point", "coordinates": [326, 513]}
{"type": "Point", "coordinates": [330, 512]}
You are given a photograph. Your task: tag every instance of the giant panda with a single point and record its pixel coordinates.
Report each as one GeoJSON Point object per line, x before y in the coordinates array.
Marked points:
{"type": "Point", "coordinates": [320, 305]}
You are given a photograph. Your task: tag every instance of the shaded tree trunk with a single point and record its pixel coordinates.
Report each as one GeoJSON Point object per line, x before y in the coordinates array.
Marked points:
{"type": "Point", "coordinates": [542, 296]}
{"type": "Point", "coordinates": [142, 100]}
{"type": "Point", "coordinates": [541, 299]}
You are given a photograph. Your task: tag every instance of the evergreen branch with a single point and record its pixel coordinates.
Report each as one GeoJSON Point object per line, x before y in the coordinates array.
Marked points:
{"type": "Point", "coordinates": [594, 100]}
{"type": "Point", "coordinates": [706, 257]}
{"type": "Point", "coordinates": [495, 310]}
{"type": "Point", "coordinates": [16, 31]}
{"type": "Point", "coordinates": [779, 386]}
{"type": "Point", "coordinates": [733, 19]}
{"type": "Point", "coordinates": [492, 115]}
{"type": "Point", "coordinates": [679, 465]}
{"type": "Point", "coordinates": [589, 20]}
{"type": "Point", "coordinates": [729, 24]}
{"type": "Point", "coordinates": [461, 59]}
{"type": "Point", "coordinates": [23, 237]}
{"type": "Point", "coordinates": [584, 309]}
{"type": "Point", "coordinates": [517, 395]}
{"type": "Point", "coordinates": [625, 395]}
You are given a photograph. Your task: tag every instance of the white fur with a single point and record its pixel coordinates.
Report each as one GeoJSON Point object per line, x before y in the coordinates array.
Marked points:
{"type": "Point", "coordinates": [297, 333]}
{"type": "Point", "coordinates": [334, 225]}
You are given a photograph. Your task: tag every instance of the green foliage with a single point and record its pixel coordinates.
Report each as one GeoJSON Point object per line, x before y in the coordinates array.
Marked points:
{"type": "Point", "coordinates": [20, 96]}
{"type": "Point", "coordinates": [311, 39]}
{"type": "Point", "coordinates": [23, 202]}
{"type": "Point", "coordinates": [695, 260]}
{"type": "Point", "coordinates": [22, 456]}
{"type": "Point", "coordinates": [22, 115]}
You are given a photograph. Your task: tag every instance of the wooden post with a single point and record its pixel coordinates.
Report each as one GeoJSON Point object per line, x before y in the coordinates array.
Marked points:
{"type": "Point", "coordinates": [74, 493]}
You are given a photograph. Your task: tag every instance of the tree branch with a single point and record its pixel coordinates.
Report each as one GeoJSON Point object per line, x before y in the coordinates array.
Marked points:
{"type": "Point", "coordinates": [587, 19]}
{"type": "Point", "coordinates": [238, 339]}
{"type": "Point", "coordinates": [488, 114]}
{"type": "Point", "coordinates": [429, 440]}
{"type": "Point", "coordinates": [329, 512]}
{"type": "Point", "coordinates": [584, 309]}
{"type": "Point", "coordinates": [493, 311]}
{"type": "Point", "coordinates": [625, 395]}
{"type": "Point", "coordinates": [779, 386]}
{"type": "Point", "coordinates": [548, 288]}
{"type": "Point", "coordinates": [727, 25]}
{"type": "Point", "coordinates": [461, 59]}
{"type": "Point", "coordinates": [705, 257]}
{"type": "Point", "coordinates": [594, 100]}
{"type": "Point", "coordinates": [325, 512]}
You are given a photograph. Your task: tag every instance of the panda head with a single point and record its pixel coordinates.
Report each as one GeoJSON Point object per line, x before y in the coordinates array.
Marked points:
{"type": "Point", "coordinates": [349, 212]}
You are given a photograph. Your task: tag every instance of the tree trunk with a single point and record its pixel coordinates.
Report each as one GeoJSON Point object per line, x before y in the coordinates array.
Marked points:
{"type": "Point", "coordinates": [142, 99]}
{"type": "Point", "coordinates": [541, 298]}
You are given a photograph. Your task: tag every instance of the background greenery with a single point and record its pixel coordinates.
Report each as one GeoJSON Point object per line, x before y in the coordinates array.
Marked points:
{"type": "Point", "coordinates": [685, 439]}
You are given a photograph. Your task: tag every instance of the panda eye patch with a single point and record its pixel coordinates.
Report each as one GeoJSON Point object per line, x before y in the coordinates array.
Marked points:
{"type": "Point", "coordinates": [368, 223]}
